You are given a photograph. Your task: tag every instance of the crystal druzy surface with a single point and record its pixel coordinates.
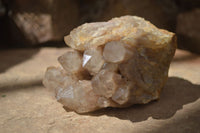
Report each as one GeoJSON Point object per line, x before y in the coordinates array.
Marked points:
{"type": "Point", "coordinates": [117, 63]}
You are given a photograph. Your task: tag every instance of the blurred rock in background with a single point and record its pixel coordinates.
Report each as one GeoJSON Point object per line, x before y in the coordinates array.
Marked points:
{"type": "Point", "coordinates": [188, 30]}
{"type": "Point", "coordinates": [39, 21]}
{"type": "Point", "coordinates": [186, 5]}
{"type": "Point", "coordinates": [28, 23]}
{"type": "Point", "coordinates": [187, 26]}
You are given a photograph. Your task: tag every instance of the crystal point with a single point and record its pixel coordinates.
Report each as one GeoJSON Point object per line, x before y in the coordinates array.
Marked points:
{"type": "Point", "coordinates": [93, 60]}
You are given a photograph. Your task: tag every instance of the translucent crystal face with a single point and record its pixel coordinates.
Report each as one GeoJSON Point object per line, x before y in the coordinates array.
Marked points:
{"type": "Point", "coordinates": [78, 96]}
{"type": "Point", "coordinates": [71, 61]}
{"type": "Point", "coordinates": [116, 52]}
{"type": "Point", "coordinates": [121, 95]}
{"type": "Point", "coordinates": [117, 63]}
{"type": "Point", "coordinates": [57, 77]}
{"type": "Point", "coordinates": [105, 83]}
{"type": "Point", "coordinates": [110, 67]}
{"type": "Point", "coordinates": [93, 60]}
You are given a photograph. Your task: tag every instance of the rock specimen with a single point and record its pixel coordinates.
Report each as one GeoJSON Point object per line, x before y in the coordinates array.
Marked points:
{"type": "Point", "coordinates": [117, 63]}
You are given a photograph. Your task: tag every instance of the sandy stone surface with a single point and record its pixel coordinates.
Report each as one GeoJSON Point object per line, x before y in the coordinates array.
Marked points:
{"type": "Point", "coordinates": [26, 106]}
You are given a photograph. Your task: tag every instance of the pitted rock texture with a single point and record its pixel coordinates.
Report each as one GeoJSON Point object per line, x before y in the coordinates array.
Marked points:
{"type": "Point", "coordinates": [117, 63]}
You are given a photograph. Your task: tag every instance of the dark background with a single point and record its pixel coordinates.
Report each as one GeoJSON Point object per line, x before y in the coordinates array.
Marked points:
{"type": "Point", "coordinates": [37, 23]}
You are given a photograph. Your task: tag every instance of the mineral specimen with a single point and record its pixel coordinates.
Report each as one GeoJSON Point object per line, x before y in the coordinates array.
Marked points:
{"type": "Point", "coordinates": [117, 63]}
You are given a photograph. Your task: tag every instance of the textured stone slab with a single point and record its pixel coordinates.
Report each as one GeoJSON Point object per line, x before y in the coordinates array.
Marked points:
{"type": "Point", "coordinates": [26, 106]}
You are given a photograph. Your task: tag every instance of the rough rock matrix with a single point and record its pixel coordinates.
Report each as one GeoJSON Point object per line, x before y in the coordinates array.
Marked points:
{"type": "Point", "coordinates": [117, 63]}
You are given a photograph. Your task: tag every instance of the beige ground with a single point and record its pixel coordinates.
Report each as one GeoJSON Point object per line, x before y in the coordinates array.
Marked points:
{"type": "Point", "coordinates": [26, 106]}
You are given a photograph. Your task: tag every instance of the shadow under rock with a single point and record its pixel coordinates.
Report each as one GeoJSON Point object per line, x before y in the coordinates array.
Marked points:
{"type": "Point", "coordinates": [175, 94]}
{"type": "Point", "coordinates": [17, 86]}
{"type": "Point", "coordinates": [12, 57]}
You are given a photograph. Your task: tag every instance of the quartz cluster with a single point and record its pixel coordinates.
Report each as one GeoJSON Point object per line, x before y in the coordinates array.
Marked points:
{"type": "Point", "coordinates": [117, 63]}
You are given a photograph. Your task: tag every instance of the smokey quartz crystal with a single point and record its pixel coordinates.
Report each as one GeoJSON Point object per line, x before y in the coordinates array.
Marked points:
{"type": "Point", "coordinates": [118, 63]}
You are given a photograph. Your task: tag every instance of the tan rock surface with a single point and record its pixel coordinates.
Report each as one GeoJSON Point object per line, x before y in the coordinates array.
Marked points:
{"type": "Point", "coordinates": [26, 106]}
{"type": "Point", "coordinates": [126, 29]}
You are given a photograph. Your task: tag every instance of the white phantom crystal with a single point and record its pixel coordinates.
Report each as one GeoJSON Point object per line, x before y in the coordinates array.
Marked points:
{"type": "Point", "coordinates": [117, 63]}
